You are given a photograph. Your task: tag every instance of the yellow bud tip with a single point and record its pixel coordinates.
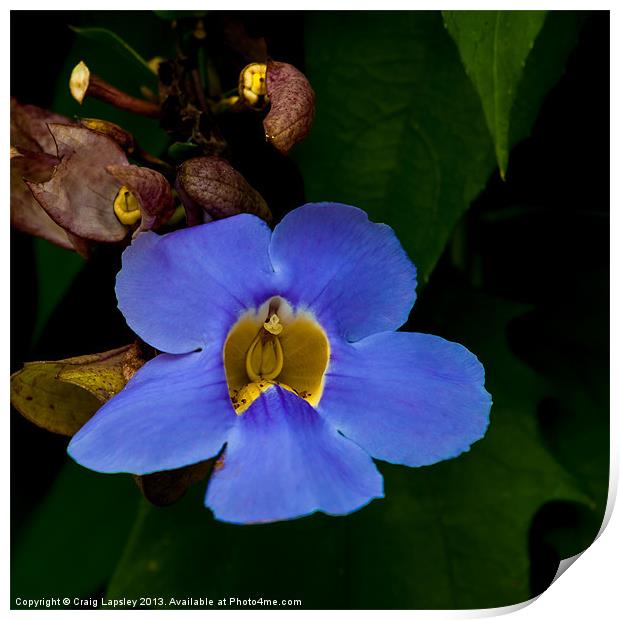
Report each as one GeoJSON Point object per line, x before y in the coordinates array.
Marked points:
{"type": "Point", "coordinates": [231, 100]}
{"type": "Point", "coordinates": [200, 33]}
{"type": "Point", "coordinates": [253, 82]}
{"type": "Point", "coordinates": [250, 97]}
{"type": "Point", "coordinates": [15, 152]}
{"type": "Point", "coordinates": [78, 83]}
{"type": "Point", "coordinates": [126, 207]}
{"type": "Point", "coordinates": [154, 63]}
{"type": "Point", "coordinates": [258, 84]}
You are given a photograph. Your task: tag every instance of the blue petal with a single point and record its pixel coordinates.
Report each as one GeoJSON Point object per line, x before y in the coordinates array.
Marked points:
{"type": "Point", "coordinates": [353, 274]}
{"type": "Point", "coordinates": [174, 411]}
{"type": "Point", "coordinates": [283, 461]}
{"type": "Point", "coordinates": [412, 399]}
{"type": "Point", "coordinates": [177, 290]}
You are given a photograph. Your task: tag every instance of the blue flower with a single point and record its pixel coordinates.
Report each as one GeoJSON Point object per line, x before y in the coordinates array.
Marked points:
{"type": "Point", "coordinates": [280, 347]}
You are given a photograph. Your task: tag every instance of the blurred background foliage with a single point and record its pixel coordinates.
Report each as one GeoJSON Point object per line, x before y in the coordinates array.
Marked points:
{"type": "Point", "coordinates": [417, 114]}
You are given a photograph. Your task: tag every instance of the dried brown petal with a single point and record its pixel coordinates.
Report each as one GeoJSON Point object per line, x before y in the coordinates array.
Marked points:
{"type": "Point", "coordinates": [166, 487]}
{"type": "Point", "coordinates": [292, 106]}
{"type": "Point", "coordinates": [122, 137]}
{"type": "Point", "coordinates": [210, 188]}
{"type": "Point", "coordinates": [152, 191]}
{"type": "Point", "coordinates": [62, 396]}
{"type": "Point", "coordinates": [29, 127]}
{"type": "Point", "coordinates": [80, 195]}
{"type": "Point", "coordinates": [33, 158]}
{"type": "Point", "coordinates": [27, 214]}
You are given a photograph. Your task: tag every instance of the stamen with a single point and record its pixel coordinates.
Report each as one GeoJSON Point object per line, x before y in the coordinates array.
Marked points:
{"type": "Point", "coordinates": [267, 348]}
{"type": "Point", "coordinates": [273, 325]}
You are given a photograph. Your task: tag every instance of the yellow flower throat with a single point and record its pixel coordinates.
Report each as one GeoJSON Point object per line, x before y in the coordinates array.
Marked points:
{"type": "Point", "coordinates": [275, 346]}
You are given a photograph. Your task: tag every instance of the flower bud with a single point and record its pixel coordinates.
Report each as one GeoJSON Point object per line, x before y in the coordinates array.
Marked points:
{"type": "Point", "coordinates": [292, 106]}
{"type": "Point", "coordinates": [211, 189]}
{"type": "Point", "coordinates": [149, 193]}
{"type": "Point", "coordinates": [253, 85]}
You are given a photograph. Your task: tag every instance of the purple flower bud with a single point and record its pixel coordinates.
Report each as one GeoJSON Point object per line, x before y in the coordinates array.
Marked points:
{"type": "Point", "coordinates": [292, 106]}
{"type": "Point", "coordinates": [152, 191]}
{"type": "Point", "coordinates": [211, 189]}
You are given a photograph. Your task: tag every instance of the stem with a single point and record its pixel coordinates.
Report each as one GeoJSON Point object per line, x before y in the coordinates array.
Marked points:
{"type": "Point", "coordinates": [100, 89]}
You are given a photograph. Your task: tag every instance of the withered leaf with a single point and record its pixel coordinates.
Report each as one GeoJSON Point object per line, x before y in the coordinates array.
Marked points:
{"type": "Point", "coordinates": [210, 188]}
{"type": "Point", "coordinates": [292, 106]}
{"type": "Point", "coordinates": [61, 396]}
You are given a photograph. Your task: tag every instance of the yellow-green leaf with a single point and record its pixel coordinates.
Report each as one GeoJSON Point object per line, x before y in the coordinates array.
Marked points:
{"type": "Point", "coordinates": [61, 396]}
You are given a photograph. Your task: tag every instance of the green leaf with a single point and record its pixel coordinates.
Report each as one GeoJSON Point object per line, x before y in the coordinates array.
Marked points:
{"type": "Point", "coordinates": [399, 128]}
{"type": "Point", "coordinates": [112, 41]}
{"type": "Point", "coordinates": [569, 347]}
{"type": "Point", "coordinates": [398, 131]}
{"type": "Point", "coordinates": [71, 544]}
{"type": "Point", "coordinates": [494, 46]}
{"type": "Point", "coordinates": [453, 535]}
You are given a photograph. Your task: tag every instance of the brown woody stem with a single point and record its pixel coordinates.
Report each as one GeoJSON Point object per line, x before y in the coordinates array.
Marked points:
{"type": "Point", "coordinates": [83, 84]}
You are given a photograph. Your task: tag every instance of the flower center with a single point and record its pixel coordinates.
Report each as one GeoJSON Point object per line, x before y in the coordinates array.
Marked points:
{"type": "Point", "coordinates": [275, 346]}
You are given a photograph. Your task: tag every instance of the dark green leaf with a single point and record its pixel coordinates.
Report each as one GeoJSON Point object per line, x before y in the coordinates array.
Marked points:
{"type": "Point", "coordinates": [399, 128]}
{"type": "Point", "coordinates": [57, 268]}
{"type": "Point", "coordinates": [112, 41]}
{"type": "Point", "coordinates": [72, 542]}
{"type": "Point", "coordinates": [570, 349]}
{"type": "Point", "coordinates": [454, 535]}
{"type": "Point", "coordinates": [494, 46]}
{"type": "Point", "coordinates": [174, 15]}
